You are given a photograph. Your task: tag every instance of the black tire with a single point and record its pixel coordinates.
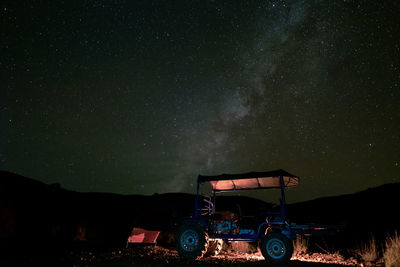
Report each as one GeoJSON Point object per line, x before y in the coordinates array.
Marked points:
{"type": "Point", "coordinates": [214, 247]}
{"type": "Point", "coordinates": [276, 248]}
{"type": "Point", "coordinates": [191, 241]}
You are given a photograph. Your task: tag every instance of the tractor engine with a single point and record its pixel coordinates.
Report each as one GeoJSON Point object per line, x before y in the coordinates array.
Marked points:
{"type": "Point", "coordinates": [225, 223]}
{"type": "Point", "coordinates": [224, 227]}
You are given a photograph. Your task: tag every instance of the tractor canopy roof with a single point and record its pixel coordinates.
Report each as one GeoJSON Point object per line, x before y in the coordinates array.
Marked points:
{"type": "Point", "coordinates": [250, 180]}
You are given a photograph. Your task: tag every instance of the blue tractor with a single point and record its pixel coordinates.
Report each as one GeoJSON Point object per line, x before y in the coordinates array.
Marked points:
{"type": "Point", "coordinates": [203, 233]}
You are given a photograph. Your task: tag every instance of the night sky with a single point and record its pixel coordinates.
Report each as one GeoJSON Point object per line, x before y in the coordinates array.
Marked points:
{"type": "Point", "coordinates": [139, 97]}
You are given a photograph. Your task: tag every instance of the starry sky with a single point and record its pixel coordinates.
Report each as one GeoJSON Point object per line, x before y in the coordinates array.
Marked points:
{"type": "Point", "coordinates": [139, 97]}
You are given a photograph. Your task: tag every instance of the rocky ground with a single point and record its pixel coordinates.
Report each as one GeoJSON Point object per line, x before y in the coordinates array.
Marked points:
{"type": "Point", "coordinates": [159, 256]}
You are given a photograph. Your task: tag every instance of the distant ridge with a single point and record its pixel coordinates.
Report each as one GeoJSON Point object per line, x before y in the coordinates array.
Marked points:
{"type": "Point", "coordinates": [30, 209]}
{"type": "Point", "coordinates": [12, 179]}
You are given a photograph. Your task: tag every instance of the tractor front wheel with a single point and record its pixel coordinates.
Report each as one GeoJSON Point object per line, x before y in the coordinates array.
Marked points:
{"type": "Point", "coordinates": [276, 248]}
{"type": "Point", "coordinates": [191, 241]}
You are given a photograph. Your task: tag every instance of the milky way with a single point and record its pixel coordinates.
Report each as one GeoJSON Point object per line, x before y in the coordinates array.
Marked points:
{"type": "Point", "coordinates": [139, 98]}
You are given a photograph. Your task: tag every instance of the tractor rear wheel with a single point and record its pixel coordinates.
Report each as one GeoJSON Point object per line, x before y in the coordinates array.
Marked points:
{"type": "Point", "coordinates": [276, 248]}
{"type": "Point", "coordinates": [191, 241]}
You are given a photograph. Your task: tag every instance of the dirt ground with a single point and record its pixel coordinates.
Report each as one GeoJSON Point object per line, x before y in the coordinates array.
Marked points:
{"type": "Point", "coordinates": [153, 256]}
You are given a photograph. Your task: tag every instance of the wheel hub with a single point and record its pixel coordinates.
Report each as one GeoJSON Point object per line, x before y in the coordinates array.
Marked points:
{"type": "Point", "coordinates": [189, 240]}
{"type": "Point", "coordinates": [276, 248]}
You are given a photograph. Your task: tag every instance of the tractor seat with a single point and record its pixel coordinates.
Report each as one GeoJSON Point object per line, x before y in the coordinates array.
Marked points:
{"type": "Point", "coordinates": [225, 216]}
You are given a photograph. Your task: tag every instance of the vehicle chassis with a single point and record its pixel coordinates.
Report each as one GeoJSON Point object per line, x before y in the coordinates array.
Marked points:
{"type": "Point", "coordinates": [272, 235]}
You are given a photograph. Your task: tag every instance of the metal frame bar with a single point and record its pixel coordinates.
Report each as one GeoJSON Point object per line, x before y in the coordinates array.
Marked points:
{"type": "Point", "coordinates": [214, 199]}
{"type": "Point", "coordinates": [282, 202]}
{"type": "Point", "coordinates": [293, 230]}
{"type": "Point", "coordinates": [196, 204]}
{"type": "Point", "coordinates": [245, 189]}
{"type": "Point", "coordinates": [283, 215]}
{"type": "Point", "coordinates": [244, 237]}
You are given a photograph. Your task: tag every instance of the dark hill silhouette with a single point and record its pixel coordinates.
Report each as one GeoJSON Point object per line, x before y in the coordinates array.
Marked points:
{"type": "Point", "coordinates": [378, 201]}
{"type": "Point", "coordinates": [47, 213]}
{"type": "Point", "coordinates": [50, 218]}
{"type": "Point", "coordinates": [369, 213]}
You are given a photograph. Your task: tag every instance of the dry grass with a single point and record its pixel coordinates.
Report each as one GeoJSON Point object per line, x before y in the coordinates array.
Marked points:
{"type": "Point", "coordinates": [300, 245]}
{"type": "Point", "coordinates": [368, 253]}
{"type": "Point", "coordinates": [391, 255]}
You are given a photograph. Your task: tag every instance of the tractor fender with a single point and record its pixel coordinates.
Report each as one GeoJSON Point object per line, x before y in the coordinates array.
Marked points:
{"type": "Point", "coordinates": [289, 234]}
{"type": "Point", "coordinates": [202, 221]}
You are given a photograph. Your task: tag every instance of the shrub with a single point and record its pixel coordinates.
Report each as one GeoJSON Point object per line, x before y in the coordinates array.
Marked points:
{"type": "Point", "coordinates": [391, 255]}
{"type": "Point", "coordinates": [300, 245]}
{"type": "Point", "coordinates": [368, 252]}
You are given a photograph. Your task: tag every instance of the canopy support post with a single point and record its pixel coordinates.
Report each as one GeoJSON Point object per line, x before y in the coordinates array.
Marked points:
{"type": "Point", "coordinates": [214, 198]}
{"type": "Point", "coordinates": [196, 204]}
{"type": "Point", "coordinates": [282, 186]}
